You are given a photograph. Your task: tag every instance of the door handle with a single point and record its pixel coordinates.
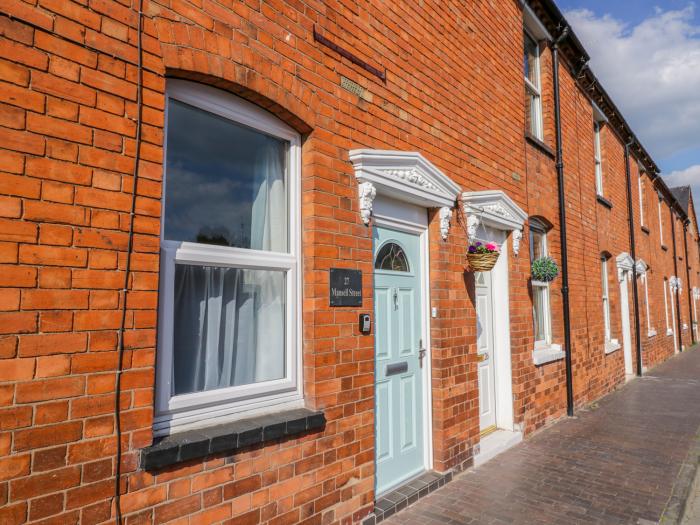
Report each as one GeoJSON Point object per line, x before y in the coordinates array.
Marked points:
{"type": "Point", "coordinates": [482, 357]}
{"type": "Point", "coordinates": [421, 355]}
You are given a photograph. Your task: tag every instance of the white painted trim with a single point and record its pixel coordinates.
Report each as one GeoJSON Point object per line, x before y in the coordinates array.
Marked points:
{"type": "Point", "coordinates": [176, 413]}
{"type": "Point", "coordinates": [598, 114]}
{"type": "Point", "coordinates": [500, 303]}
{"type": "Point", "coordinates": [625, 312]}
{"type": "Point", "coordinates": [673, 315]}
{"type": "Point", "coordinates": [598, 158]}
{"type": "Point", "coordinates": [500, 299]}
{"type": "Point", "coordinates": [494, 209]}
{"type": "Point", "coordinates": [547, 354]}
{"type": "Point", "coordinates": [533, 24]}
{"type": "Point", "coordinates": [406, 176]}
{"type": "Point", "coordinates": [612, 346]}
{"type": "Point", "coordinates": [494, 444]}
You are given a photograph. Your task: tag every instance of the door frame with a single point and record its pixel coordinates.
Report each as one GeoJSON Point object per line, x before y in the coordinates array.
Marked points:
{"type": "Point", "coordinates": [503, 377]}
{"type": "Point", "coordinates": [626, 326]}
{"type": "Point", "coordinates": [500, 316]}
{"type": "Point", "coordinates": [625, 264]}
{"type": "Point", "coordinates": [385, 221]}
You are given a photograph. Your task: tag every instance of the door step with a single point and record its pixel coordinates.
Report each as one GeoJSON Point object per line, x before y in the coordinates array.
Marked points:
{"type": "Point", "coordinates": [493, 444]}
{"type": "Point", "coordinates": [406, 494]}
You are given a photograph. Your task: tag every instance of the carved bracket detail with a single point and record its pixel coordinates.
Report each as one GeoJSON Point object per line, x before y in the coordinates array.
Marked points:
{"type": "Point", "coordinates": [445, 216]}
{"type": "Point", "coordinates": [367, 193]}
{"type": "Point", "coordinates": [517, 237]}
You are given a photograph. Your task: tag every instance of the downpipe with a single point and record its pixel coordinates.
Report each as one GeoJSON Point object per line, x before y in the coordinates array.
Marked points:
{"type": "Point", "coordinates": [635, 291]}
{"type": "Point", "coordinates": [562, 226]}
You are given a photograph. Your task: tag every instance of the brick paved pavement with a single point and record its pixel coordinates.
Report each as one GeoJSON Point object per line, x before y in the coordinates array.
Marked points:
{"type": "Point", "coordinates": [614, 463]}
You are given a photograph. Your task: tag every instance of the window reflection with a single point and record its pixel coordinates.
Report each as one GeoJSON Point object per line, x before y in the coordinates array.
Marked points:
{"type": "Point", "coordinates": [391, 257]}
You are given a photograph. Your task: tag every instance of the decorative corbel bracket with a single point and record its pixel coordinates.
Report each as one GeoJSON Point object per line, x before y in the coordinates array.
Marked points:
{"type": "Point", "coordinates": [445, 217]}
{"type": "Point", "coordinates": [473, 222]}
{"type": "Point", "coordinates": [517, 237]}
{"type": "Point", "coordinates": [367, 193]}
{"type": "Point", "coordinates": [675, 283]}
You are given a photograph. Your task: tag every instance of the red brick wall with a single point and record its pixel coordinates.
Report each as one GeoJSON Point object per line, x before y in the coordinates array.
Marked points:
{"type": "Point", "coordinates": [67, 129]}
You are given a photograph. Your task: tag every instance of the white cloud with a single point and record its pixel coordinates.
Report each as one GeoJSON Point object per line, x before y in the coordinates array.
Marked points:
{"type": "Point", "coordinates": [687, 177]}
{"type": "Point", "coordinates": [652, 72]}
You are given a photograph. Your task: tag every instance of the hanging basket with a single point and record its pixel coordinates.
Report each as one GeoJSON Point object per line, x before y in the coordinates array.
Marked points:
{"type": "Point", "coordinates": [482, 262]}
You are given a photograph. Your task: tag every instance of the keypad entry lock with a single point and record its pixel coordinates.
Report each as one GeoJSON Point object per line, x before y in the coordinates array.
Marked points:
{"type": "Point", "coordinates": [421, 354]}
{"type": "Point", "coordinates": [365, 323]}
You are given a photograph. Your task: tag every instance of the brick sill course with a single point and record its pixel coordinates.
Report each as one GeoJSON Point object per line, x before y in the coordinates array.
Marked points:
{"type": "Point", "coordinates": [540, 145]}
{"type": "Point", "coordinates": [202, 442]}
{"type": "Point", "coordinates": [605, 202]}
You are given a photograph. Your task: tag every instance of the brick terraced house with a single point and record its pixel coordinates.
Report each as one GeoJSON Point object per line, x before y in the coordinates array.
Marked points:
{"type": "Point", "coordinates": [233, 277]}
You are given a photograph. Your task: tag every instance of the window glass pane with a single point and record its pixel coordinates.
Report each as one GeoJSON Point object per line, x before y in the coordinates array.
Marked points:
{"type": "Point", "coordinates": [229, 327]}
{"type": "Point", "coordinates": [538, 245]}
{"type": "Point", "coordinates": [225, 183]}
{"type": "Point", "coordinates": [530, 61]}
{"type": "Point", "coordinates": [391, 257]}
{"type": "Point", "coordinates": [539, 311]}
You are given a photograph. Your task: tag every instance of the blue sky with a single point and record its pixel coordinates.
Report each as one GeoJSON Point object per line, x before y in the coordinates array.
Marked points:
{"type": "Point", "coordinates": [647, 54]}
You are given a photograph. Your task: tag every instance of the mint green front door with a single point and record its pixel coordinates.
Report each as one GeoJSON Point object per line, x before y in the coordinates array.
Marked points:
{"type": "Point", "coordinates": [399, 358]}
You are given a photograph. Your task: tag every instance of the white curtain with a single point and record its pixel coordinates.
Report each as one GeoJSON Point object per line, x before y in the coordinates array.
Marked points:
{"type": "Point", "coordinates": [230, 322]}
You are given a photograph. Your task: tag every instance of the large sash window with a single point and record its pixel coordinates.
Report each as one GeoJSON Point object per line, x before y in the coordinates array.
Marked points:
{"type": "Point", "coordinates": [228, 340]}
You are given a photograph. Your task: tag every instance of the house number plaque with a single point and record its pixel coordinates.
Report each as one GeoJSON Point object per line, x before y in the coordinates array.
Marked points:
{"type": "Point", "coordinates": [345, 287]}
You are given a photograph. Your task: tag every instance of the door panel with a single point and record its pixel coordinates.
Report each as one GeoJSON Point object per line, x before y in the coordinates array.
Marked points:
{"type": "Point", "coordinates": [405, 332]}
{"type": "Point", "coordinates": [485, 348]}
{"type": "Point", "coordinates": [382, 331]}
{"type": "Point", "coordinates": [384, 439]}
{"type": "Point", "coordinates": [399, 385]}
{"type": "Point", "coordinates": [408, 412]}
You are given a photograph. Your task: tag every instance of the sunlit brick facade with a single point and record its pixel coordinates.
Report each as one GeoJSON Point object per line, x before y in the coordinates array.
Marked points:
{"type": "Point", "coordinates": [453, 92]}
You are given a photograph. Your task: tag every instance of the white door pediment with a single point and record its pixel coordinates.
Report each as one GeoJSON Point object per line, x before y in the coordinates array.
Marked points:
{"type": "Point", "coordinates": [495, 209]}
{"type": "Point", "coordinates": [405, 176]}
{"type": "Point", "coordinates": [625, 263]}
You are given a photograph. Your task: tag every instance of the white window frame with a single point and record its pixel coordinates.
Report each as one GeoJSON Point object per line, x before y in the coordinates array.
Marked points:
{"type": "Point", "coordinates": [598, 158]}
{"type": "Point", "coordinates": [641, 199]}
{"type": "Point", "coordinates": [536, 228]}
{"type": "Point", "coordinates": [534, 91]}
{"type": "Point", "coordinates": [661, 221]}
{"type": "Point", "coordinates": [212, 407]}
{"type": "Point", "coordinates": [669, 328]}
{"type": "Point", "coordinates": [650, 330]}
{"type": "Point", "coordinates": [605, 298]}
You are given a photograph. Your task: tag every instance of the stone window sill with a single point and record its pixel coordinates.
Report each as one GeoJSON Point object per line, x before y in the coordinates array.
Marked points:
{"type": "Point", "coordinates": [645, 229]}
{"type": "Point", "coordinates": [547, 354]}
{"type": "Point", "coordinates": [669, 331]}
{"type": "Point", "coordinates": [605, 202]}
{"type": "Point", "coordinates": [664, 247]}
{"type": "Point", "coordinates": [612, 346]}
{"type": "Point", "coordinates": [651, 333]}
{"type": "Point", "coordinates": [202, 442]}
{"type": "Point", "coordinates": [539, 145]}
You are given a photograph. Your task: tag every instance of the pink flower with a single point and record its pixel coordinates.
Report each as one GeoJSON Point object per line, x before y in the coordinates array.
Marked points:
{"type": "Point", "coordinates": [492, 247]}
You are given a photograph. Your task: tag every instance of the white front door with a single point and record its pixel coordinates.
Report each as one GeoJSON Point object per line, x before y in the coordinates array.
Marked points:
{"type": "Point", "coordinates": [626, 334]}
{"type": "Point", "coordinates": [674, 322]}
{"type": "Point", "coordinates": [485, 350]}
{"type": "Point", "coordinates": [695, 315]}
